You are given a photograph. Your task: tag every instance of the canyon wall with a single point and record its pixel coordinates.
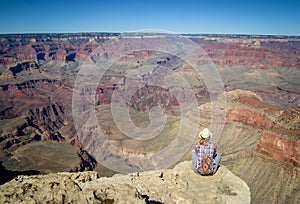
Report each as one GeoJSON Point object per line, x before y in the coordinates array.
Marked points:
{"type": "Point", "coordinates": [260, 76]}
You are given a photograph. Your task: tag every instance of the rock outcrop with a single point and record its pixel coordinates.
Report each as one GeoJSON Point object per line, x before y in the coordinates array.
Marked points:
{"type": "Point", "coordinates": [178, 185]}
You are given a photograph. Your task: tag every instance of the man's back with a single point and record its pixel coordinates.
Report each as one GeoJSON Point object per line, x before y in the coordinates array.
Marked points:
{"type": "Point", "coordinates": [205, 150]}
{"type": "Point", "coordinates": [205, 160]}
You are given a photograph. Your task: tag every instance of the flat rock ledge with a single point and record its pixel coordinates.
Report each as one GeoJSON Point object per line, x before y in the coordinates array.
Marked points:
{"type": "Point", "coordinates": [178, 185]}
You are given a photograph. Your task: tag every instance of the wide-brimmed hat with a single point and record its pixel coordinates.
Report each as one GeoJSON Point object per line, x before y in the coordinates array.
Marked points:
{"type": "Point", "coordinates": [205, 133]}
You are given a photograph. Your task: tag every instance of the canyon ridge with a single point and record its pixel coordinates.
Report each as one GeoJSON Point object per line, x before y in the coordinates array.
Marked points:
{"type": "Point", "coordinates": [254, 115]}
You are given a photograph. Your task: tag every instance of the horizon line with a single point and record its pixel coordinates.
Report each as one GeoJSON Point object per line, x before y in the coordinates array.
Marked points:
{"type": "Point", "coordinates": [127, 32]}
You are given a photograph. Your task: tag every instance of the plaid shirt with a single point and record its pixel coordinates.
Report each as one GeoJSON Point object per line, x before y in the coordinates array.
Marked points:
{"type": "Point", "coordinates": [205, 150]}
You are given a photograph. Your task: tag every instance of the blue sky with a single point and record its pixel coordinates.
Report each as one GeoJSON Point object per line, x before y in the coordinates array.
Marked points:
{"type": "Point", "coordinates": [187, 16]}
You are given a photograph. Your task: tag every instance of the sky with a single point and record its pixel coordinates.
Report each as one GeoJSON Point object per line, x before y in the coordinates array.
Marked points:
{"type": "Point", "coordinates": [262, 17]}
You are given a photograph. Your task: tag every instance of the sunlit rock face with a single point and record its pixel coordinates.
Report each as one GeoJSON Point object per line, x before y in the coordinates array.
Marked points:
{"type": "Point", "coordinates": [280, 148]}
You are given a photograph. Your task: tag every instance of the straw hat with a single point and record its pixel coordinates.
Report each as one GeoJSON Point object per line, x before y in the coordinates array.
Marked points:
{"type": "Point", "coordinates": [205, 133]}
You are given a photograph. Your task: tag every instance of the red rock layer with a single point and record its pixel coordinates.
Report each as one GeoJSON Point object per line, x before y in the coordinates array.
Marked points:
{"type": "Point", "coordinates": [260, 57]}
{"type": "Point", "coordinates": [280, 148]}
{"type": "Point", "coordinates": [279, 139]}
{"type": "Point", "coordinates": [248, 117]}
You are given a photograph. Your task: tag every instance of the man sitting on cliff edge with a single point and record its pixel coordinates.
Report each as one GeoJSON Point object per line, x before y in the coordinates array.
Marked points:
{"type": "Point", "coordinates": [205, 160]}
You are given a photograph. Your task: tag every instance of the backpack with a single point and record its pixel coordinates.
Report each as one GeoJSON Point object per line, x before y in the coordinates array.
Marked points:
{"type": "Point", "coordinates": [206, 166]}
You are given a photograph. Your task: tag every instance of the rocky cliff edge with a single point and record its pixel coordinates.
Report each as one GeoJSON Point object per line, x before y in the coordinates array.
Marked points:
{"type": "Point", "coordinates": [178, 185]}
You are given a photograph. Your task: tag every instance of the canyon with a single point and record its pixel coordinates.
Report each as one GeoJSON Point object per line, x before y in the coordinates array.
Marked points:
{"type": "Point", "coordinates": [259, 139]}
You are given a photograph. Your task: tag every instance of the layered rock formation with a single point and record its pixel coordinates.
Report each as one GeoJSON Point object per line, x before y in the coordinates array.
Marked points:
{"type": "Point", "coordinates": [178, 185]}
{"type": "Point", "coordinates": [260, 141]}
{"type": "Point", "coordinates": [280, 148]}
{"type": "Point", "coordinates": [257, 51]}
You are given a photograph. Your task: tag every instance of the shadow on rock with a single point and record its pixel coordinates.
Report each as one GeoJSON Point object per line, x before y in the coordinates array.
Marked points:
{"type": "Point", "coordinates": [7, 175]}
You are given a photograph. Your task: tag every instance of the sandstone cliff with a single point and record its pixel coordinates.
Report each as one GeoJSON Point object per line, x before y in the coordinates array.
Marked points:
{"type": "Point", "coordinates": [178, 185]}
